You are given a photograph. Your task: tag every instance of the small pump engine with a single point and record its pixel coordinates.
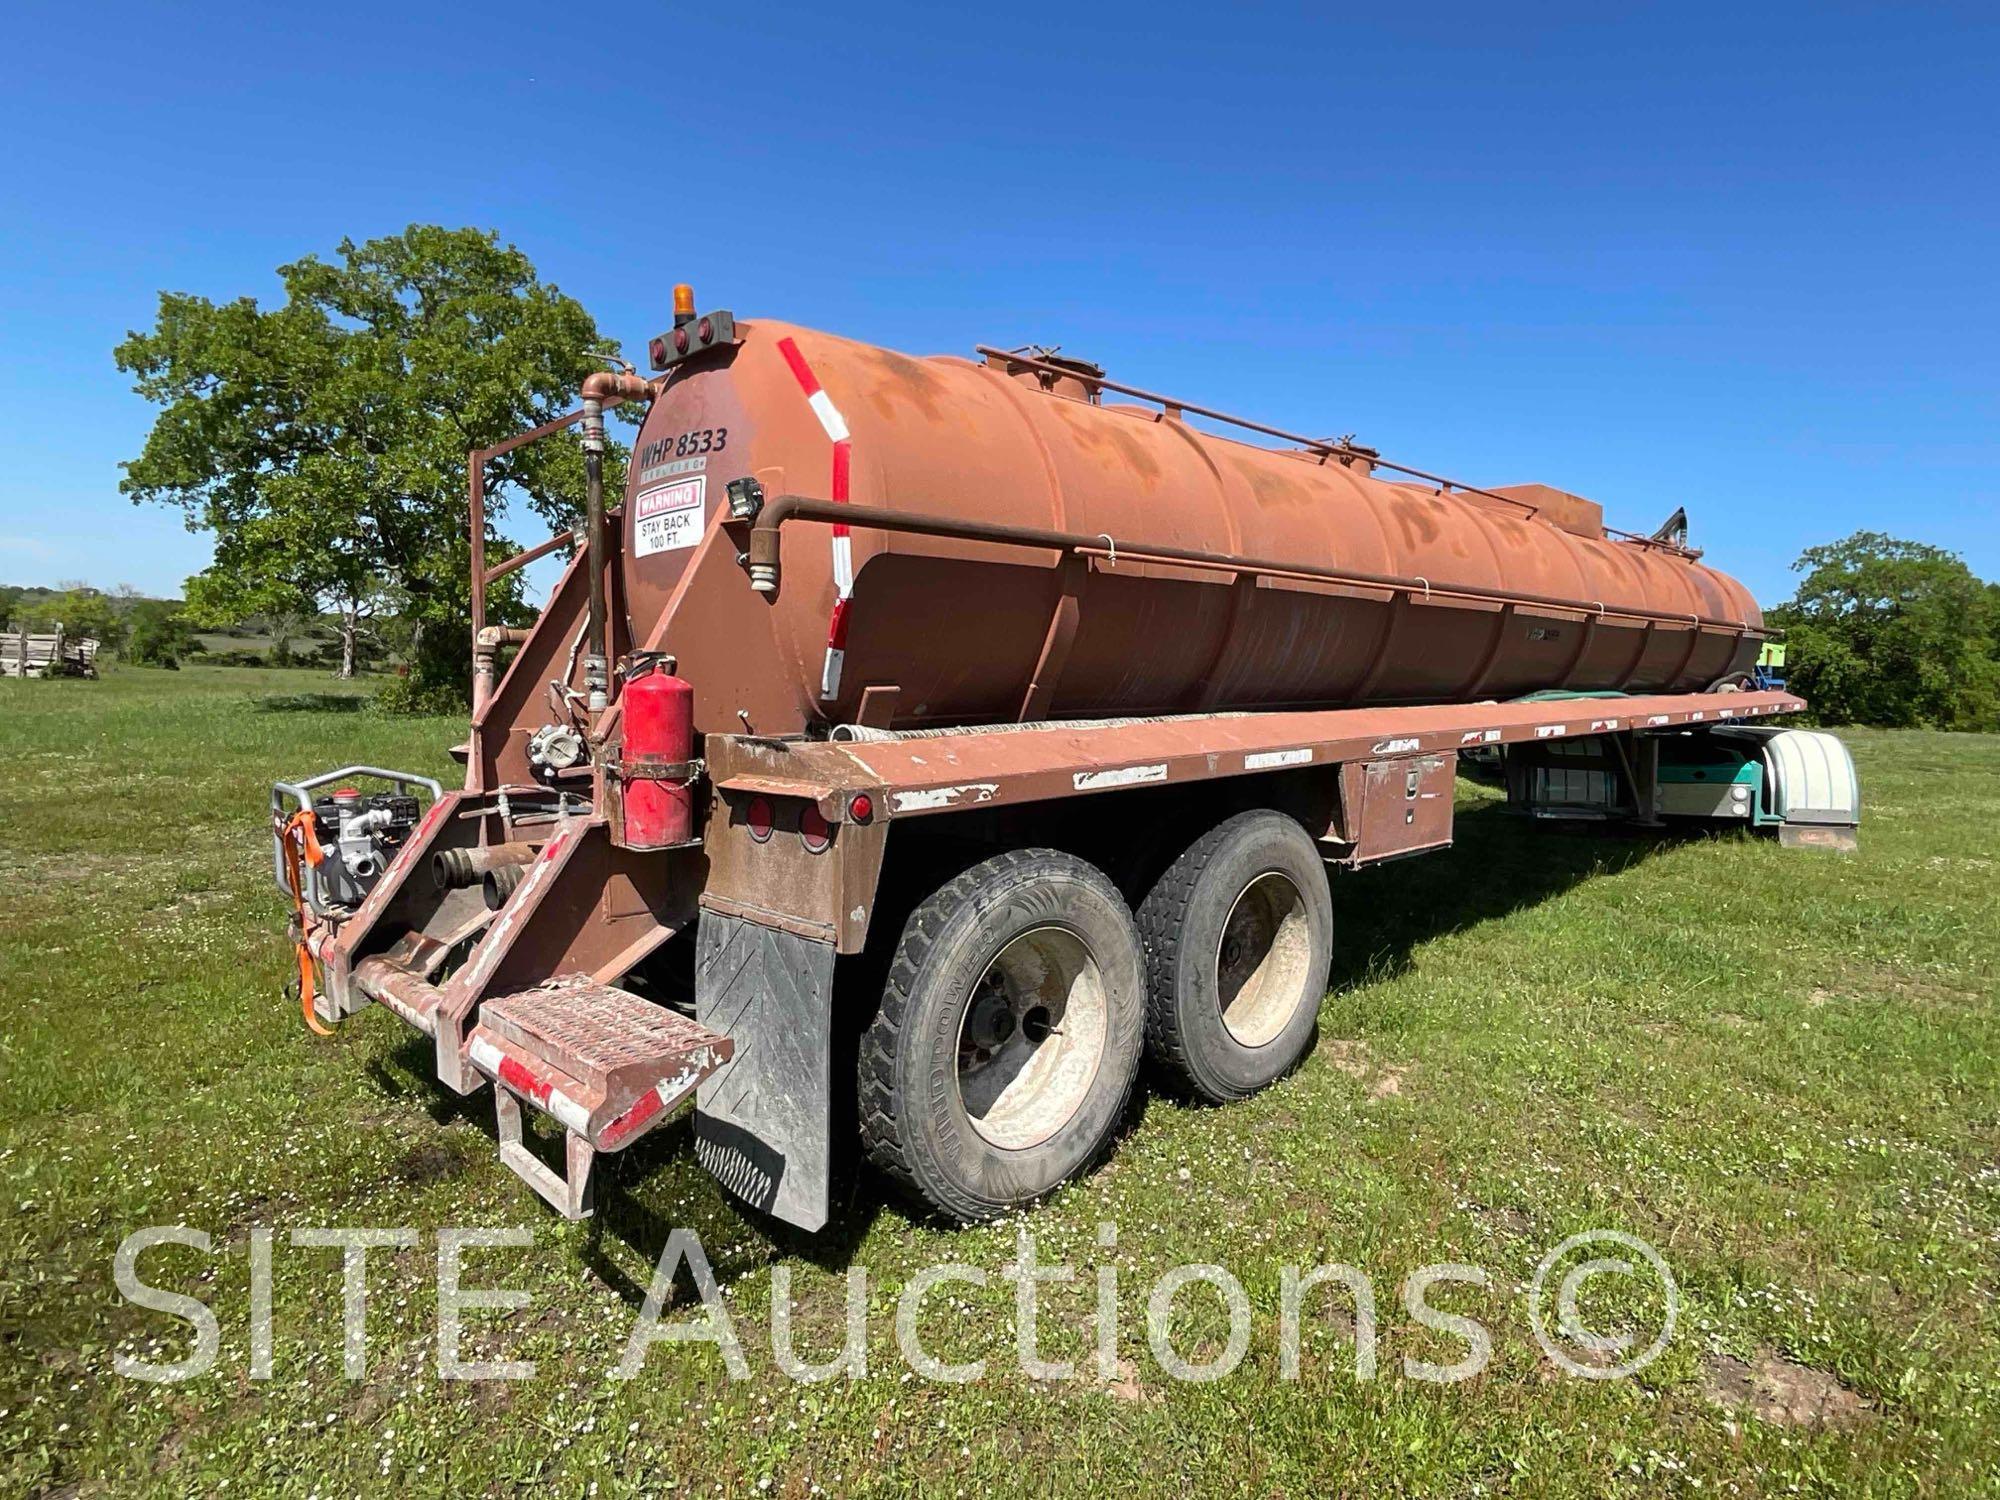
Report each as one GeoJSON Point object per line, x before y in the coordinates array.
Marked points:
{"type": "Point", "coordinates": [556, 747]}
{"type": "Point", "coordinates": [360, 835]}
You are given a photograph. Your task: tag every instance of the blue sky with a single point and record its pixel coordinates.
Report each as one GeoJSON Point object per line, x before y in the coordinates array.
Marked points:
{"type": "Point", "coordinates": [1742, 258]}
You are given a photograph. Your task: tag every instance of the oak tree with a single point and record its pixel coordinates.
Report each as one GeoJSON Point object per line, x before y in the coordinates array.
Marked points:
{"type": "Point", "coordinates": [323, 439]}
{"type": "Point", "coordinates": [1884, 631]}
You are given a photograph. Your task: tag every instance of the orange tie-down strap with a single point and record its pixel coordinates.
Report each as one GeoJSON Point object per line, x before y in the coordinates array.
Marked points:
{"type": "Point", "coordinates": [301, 846]}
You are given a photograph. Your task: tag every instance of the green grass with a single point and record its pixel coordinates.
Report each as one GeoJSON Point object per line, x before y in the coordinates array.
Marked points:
{"type": "Point", "coordinates": [1782, 1068]}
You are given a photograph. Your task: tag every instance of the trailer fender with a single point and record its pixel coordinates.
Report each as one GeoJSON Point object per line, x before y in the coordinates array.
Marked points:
{"type": "Point", "coordinates": [1809, 784]}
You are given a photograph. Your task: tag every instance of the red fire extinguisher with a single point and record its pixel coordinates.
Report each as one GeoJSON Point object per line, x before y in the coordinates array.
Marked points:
{"type": "Point", "coordinates": [659, 749]}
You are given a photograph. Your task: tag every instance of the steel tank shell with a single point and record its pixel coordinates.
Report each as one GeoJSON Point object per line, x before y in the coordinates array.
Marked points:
{"type": "Point", "coordinates": [968, 632]}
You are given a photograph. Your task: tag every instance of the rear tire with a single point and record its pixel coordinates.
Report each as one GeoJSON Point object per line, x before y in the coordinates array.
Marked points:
{"type": "Point", "coordinates": [1239, 937]}
{"type": "Point", "coordinates": [1009, 1035]}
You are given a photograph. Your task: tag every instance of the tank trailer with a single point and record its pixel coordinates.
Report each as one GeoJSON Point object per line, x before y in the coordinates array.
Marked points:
{"type": "Point", "coordinates": [919, 743]}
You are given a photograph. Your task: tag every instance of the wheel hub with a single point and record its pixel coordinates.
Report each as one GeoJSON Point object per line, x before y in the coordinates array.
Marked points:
{"type": "Point", "coordinates": [1263, 959]}
{"type": "Point", "coordinates": [1032, 1038]}
{"type": "Point", "coordinates": [991, 1020]}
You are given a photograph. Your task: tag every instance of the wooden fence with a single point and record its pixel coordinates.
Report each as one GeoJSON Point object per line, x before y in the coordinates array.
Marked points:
{"type": "Point", "coordinates": [46, 655]}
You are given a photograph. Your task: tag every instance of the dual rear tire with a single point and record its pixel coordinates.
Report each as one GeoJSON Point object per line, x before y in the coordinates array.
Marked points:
{"type": "Point", "coordinates": [1239, 938]}
{"type": "Point", "coordinates": [1022, 993]}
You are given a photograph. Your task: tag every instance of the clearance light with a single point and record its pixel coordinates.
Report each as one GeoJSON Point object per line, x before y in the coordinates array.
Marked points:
{"type": "Point", "coordinates": [692, 333]}
{"type": "Point", "coordinates": [861, 807]}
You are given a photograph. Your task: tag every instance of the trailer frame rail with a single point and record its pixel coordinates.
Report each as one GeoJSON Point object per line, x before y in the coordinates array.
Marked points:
{"type": "Point", "coordinates": [923, 775]}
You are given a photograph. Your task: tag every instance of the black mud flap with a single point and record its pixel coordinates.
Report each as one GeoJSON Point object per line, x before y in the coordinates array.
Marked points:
{"type": "Point", "coordinates": [763, 1122]}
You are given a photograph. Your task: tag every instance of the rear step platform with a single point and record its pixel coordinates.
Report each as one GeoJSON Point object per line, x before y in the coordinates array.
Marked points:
{"type": "Point", "coordinates": [605, 1063]}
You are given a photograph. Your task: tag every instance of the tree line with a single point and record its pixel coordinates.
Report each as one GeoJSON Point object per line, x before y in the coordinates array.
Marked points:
{"type": "Point", "coordinates": [322, 443]}
{"type": "Point", "coordinates": [151, 632]}
{"type": "Point", "coordinates": [1896, 633]}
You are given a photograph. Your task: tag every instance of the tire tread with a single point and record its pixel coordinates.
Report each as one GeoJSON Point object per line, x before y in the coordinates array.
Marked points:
{"type": "Point", "coordinates": [885, 1108]}
{"type": "Point", "coordinates": [1162, 931]}
{"type": "Point", "coordinates": [1158, 917]}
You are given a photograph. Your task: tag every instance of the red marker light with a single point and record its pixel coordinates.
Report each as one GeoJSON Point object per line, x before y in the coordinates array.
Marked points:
{"type": "Point", "coordinates": [656, 353]}
{"type": "Point", "coordinates": [814, 830]}
{"type": "Point", "coordinates": [757, 819]}
{"type": "Point", "coordinates": [680, 341]}
{"type": "Point", "coordinates": [861, 807]}
{"type": "Point", "coordinates": [706, 329]}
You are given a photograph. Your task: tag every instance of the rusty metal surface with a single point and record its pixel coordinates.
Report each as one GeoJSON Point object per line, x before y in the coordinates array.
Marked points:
{"type": "Point", "coordinates": [609, 1045]}
{"type": "Point", "coordinates": [405, 993]}
{"type": "Point", "coordinates": [965, 631]}
{"type": "Point", "coordinates": [765, 549]}
{"type": "Point", "coordinates": [599, 1033]}
{"type": "Point", "coordinates": [605, 1064]}
{"type": "Point", "coordinates": [533, 554]}
{"type": "Point", "coordinates": [925, 776]}
{"type": "Point", "coordinates": [475, 483]}
{"type": "Point", "coordinates": [392, 905]}
{"type": "Point", "coordinates": [825, 893]}
{"type": "Point", "coordinates": [509, 714]}
{"type": "Point", "coordinates": [584, 905]}
{"type": "Point", "coordinates": [1348, 453]}
{"type": "Point", "coordinates": [1003, 549]}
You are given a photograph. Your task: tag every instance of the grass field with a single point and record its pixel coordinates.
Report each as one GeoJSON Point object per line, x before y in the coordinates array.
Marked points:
{"type": "Point", "coordinates": [1780, 1068]}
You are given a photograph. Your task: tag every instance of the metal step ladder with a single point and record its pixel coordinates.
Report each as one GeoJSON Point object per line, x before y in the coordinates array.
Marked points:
{"type": "Point", "coordinates": [602, 1062]}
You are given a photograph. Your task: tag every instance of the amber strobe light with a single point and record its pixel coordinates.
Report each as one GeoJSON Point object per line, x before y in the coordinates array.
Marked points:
{"type": "Point", "coordinates": [683, 304]}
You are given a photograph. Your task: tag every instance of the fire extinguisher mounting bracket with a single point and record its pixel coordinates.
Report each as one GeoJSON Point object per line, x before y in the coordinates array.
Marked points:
{"type": "Point", "coordinates": [638, 663]}
{"type": "Point", "coordinates": [653, 768]}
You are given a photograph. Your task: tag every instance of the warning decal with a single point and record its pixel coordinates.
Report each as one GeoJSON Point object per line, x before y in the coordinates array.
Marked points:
{"type": "Point", "coordinates": [669, 517]}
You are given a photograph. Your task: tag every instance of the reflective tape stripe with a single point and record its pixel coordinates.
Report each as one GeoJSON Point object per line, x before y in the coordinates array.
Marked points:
{"type": "Point", "coordinates": [504, 1069]}
{"type": "Point", "coordinates": [816, 397]}
{"type": "Point", "coordinates": [829, 415]}
{"type": "Point", "coordinates": [835, 426]}
{"type": "Point", "coordinates": [843, 451]}
{"type": "Point", "coordinates": [836, 650]}
{"type": "Point", "coordinates": [643, 1109]}
{"type": "Point", "coordinates": [801, 371]}
{"type": "Point", "coordinates": [662, 1096]}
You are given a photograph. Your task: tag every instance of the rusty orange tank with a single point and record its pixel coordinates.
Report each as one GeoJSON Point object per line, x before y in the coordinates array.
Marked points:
{"type": "Point", "coordinates": [950, 631]}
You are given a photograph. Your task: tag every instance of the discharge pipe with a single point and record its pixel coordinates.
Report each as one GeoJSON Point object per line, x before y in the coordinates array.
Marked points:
{"type": "Point", "coordinates": [486, 659]}
{"type": "Point", "coordinates": [597, 389]}
{"type": "Point", "coordinates": [500, 882]}
{"type": "Point", "coordinates": [453, 869]}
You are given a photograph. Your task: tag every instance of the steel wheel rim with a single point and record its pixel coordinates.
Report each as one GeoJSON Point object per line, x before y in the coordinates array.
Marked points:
{"type": "Point", "coordinates": [1263, 958]}
{"type": "Point", "coordinates": [1032, 1038]}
